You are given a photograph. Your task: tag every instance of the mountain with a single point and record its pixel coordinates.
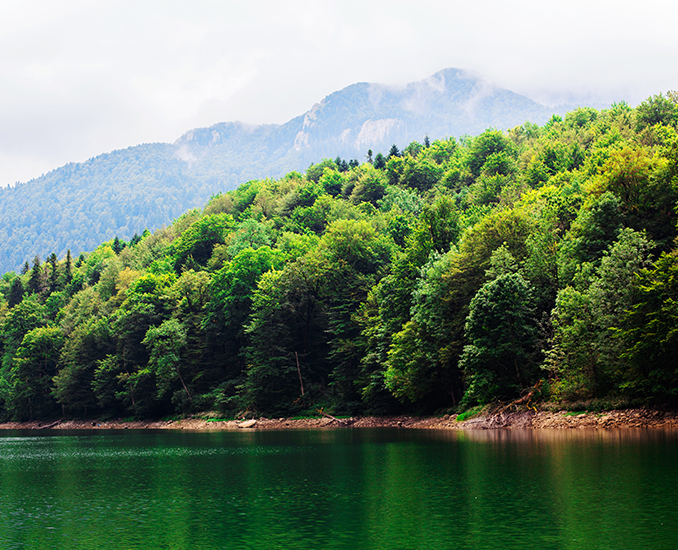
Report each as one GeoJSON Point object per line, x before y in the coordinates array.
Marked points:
{"type": "Point", "coordinates": [78, 206]}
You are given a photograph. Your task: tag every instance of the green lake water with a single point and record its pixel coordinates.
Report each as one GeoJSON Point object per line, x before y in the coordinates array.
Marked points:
{"type": "Point", "coordinates": [360, 488]}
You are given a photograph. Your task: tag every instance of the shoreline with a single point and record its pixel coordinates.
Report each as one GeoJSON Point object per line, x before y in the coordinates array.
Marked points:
{"type": "Point", "coordinates": [616, 419]}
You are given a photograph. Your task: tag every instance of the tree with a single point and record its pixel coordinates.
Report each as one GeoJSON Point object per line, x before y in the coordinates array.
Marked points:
{"type": "Point", "coordinates": [491, 147]}
{"type": "Point", "coordinates": [147, 304]}
{"type": "Point", "coordinates": [85, 346]}
{"type": "Point", "coordinates": [501, 330]}
{"type": "Point", "coordinates": [379, 161]}
{"type": "Point", "coordinates": [315, 171]}
{"type": "Point", "coordinates": [166, 344]}
{"type": "Point", "coordinates": [249, 234]}
{"type": "Point", "coordinates": [34, 366]}
{"type": "Point", "coordinates": [280, 312]}
{"type": "Point", "coordinates": [422, 360]}
{"type": "Point", "coordinates": [332, 182]}
{"type": "Point", "coordinates": [370, 185]}
{"type": "Point", "coordinates": [421, 174]}
{"type": "Point", "coordinates": [231, 293]}
{"type": "Point", "coordinates": [118, 245]}
{"type": "Point", "coordinates": [649, 333]}
{"type": "Point", "coordinates": [196, 243]}
{"type": "Point", "coordinates": [69, 267]}
{"type": "Point", "coordinates": [16, 292]}
{"type": "Point", "coordinates": [595, 229]}
{"type": "Point", "coordinates": [53, 272]}
{"type": "Point", "coordinates": [656, 109]}
{"type": "Point", "coordinates": [36, 280]}
{"type": "Point", "coordinates": [585, 360]}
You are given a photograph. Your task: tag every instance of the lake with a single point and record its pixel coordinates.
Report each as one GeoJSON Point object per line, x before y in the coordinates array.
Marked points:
{"type": "Point", "coordinates": [348, 488]}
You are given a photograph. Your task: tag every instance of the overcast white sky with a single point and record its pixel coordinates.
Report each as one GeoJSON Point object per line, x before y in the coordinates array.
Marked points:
{"type": "Point", "coordinates": [83, 77]}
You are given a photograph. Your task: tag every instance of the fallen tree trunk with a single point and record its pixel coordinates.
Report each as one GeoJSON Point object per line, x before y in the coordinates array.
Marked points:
{"type": "Point", "coordinates": [335, 419]}
{"type": "Point", "coordinates": [49, 425]}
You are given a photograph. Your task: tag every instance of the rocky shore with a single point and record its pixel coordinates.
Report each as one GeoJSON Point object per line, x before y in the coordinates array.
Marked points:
{"type": "Point", "coordinates": [629, 418]}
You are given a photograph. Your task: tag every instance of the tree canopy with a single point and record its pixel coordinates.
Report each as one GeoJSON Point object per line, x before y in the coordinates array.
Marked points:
{"type": "Point", "coordinates": [428, 278]}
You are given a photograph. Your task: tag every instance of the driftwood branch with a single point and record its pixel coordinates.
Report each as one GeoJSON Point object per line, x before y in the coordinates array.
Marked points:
{"type": "Point", "coordinates": [49, 425]}
{"type": "Point", "coordinates": [338, 420]}
{"type": "Point", "coordinates": [498, 418]}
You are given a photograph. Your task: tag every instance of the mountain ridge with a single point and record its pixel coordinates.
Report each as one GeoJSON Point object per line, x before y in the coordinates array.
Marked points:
{"type": "Point", "coordinates": [122, 192]}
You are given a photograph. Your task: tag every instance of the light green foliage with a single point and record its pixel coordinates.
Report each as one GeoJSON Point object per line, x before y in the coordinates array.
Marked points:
{"type": "Point", "coordinates": [420, 174]}
{"type": "Point", "coordinates": [294, 245]}
{"type": "Point", "coordinates": [369, 186]}
{"type": "Point", "coordinates": [316, 171]}
{"type": "Point", "coordinates": [194, 246]}
{"type": "Point", "coordinates": [332, 181]}
{"type": "Point", "coordinates": [657, 109]}
{"type": "Point", "coordinates": [406, 284]}
{"type": "Point", "coordinates": [249, 234]}
{"type": "Point", "coordinates": [490, 153]}
{"type": "Point", "coordinates": [233, 287]}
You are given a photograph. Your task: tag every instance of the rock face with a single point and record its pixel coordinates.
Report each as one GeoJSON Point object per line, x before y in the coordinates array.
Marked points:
{"type": "Point", "coordinates": [79, 206]}
{"type": "Point", "coordinates": [247, 424]}
{"type": "Point", "coordinates": [366, 116]}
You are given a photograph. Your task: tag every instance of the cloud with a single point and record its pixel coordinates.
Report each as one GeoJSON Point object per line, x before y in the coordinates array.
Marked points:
{"type": "Point", "coordinates": [79, 78]}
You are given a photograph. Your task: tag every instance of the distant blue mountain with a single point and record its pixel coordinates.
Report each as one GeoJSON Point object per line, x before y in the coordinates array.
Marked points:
{"type": "Point", "coordinates": [78, 206]}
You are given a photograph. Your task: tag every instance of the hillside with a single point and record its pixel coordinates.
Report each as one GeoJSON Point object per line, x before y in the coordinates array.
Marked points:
{"type": "Point", "coordinates": [124, 192]}
{"type": "Point", "coordinates": [508, 268]}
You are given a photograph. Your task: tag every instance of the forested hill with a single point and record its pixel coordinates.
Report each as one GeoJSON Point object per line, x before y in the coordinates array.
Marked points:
{"type": "Point", "coordinates": [539, 262]}
{"type": "Point", "coordinates": [80, 205]}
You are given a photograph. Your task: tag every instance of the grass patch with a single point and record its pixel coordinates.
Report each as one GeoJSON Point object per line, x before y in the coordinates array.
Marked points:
{"type": "Point", "coordinates": [471, 413]}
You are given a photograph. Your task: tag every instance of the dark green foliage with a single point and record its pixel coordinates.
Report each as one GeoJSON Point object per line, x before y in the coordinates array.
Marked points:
{"type": "Point", "coordinates": [454, 272]}
{"type": "Point", "coordinates": [36, 281]}
{"type": "Point", "coordinates": [16, 292]}
{"type": "Point", "coordinates": [88, 344]}
{"type": "Point", "coordinates": [586, 357]}
{"type": "Point", "coordinates": [649, 333]}
{"type": "Point", "coordinates": [501, 329]}
{"type": "Point", "coordinates": [379, 162]}
{"type": "Point", "coordinates": [34, 366]}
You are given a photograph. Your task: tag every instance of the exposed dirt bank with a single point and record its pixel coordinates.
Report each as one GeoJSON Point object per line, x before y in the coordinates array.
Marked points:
{"type": "Point", "coordinates": [630, 418]}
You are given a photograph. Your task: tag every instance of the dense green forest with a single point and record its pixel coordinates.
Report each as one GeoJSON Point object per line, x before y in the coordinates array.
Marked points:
{"type": "Point", "coordinates": [449, 274]}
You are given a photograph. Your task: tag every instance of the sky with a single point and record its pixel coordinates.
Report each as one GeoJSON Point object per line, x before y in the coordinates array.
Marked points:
{"type": "Point", "coordinates": [83, 77]}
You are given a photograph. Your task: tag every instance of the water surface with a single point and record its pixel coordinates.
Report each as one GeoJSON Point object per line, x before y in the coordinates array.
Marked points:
{"type": "Point", "coordinates": [356, 489]}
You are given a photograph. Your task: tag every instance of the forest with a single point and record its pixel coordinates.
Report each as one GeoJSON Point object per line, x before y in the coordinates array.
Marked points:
{"type": "Point", "coordinates": [453, 273]}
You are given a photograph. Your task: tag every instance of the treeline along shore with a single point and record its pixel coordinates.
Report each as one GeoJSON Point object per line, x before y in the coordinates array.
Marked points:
{"type": "Point", "coordinates": [529, 266]}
